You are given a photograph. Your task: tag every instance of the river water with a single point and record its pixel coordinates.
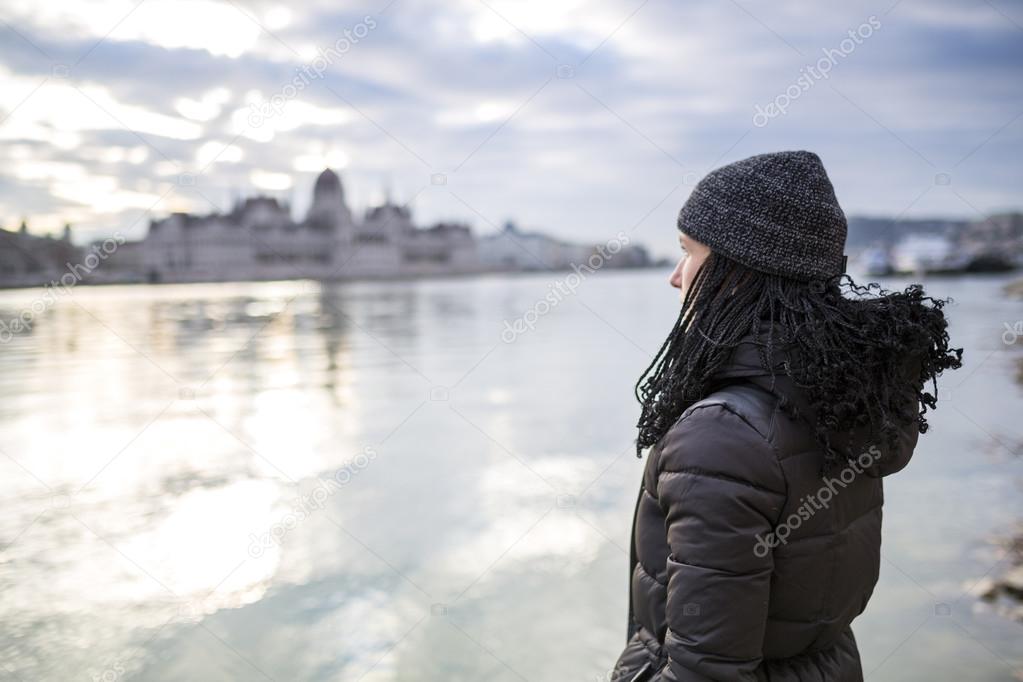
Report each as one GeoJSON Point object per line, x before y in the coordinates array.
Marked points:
{"type": "Point", "coordinates": [384, 482]}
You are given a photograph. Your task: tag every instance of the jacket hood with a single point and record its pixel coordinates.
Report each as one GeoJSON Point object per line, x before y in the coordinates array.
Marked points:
{"type": "Point", "coordinates": [746, 366]}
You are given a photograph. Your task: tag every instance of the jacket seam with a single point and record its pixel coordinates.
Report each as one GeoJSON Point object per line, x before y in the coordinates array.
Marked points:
{"type": "Point", "coordinates": [724, 571]}
{"type": "Point", "coordinates": [774, 450]}
{"type": "Point", "coordinates": [698, 471]}
{"type": "Point", "coordinates": [678, 637]}
{"type": "Point", "coordinates": [830, 534]}
{"type": "Point", "coordinates": [648, 574]}
{"type": "Point", "coordinates": [653, 648]}
{"type": "Point", "coordinates": [728, 408]}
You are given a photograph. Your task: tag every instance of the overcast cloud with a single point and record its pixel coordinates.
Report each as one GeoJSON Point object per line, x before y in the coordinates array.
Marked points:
{"type": "Point", "coordinates": [578, 118]}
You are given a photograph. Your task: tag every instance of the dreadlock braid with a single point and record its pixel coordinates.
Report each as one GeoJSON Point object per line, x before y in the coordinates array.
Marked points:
{"type": "Point", "coordinates": [864, 356]}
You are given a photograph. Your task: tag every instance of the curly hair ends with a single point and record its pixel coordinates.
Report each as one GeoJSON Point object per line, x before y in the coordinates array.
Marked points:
{"type": "Point", "coordinates": [865, 357]}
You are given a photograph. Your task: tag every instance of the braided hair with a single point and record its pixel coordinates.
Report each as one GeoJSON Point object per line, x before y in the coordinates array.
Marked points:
{"type": "Point", "coordinates": [864, 356]}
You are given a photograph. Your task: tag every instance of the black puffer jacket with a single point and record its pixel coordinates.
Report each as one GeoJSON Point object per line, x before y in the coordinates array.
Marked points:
{"type": "Point", "coordinates": [747, 565]}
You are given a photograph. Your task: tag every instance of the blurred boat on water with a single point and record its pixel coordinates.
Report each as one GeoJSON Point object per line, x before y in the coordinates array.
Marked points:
{"type": "Point", "coordinates": [927, 254]}
{"type": "Point", "coordinates": [876, 262]}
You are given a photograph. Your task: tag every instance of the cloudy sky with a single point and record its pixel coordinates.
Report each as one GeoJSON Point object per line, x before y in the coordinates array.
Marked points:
{"type": "Point", "coordinates": [579, 118]}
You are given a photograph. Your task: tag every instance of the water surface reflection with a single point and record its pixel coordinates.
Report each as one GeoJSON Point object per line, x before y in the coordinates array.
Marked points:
{"type": "Point", "coordinates": [362, 481]}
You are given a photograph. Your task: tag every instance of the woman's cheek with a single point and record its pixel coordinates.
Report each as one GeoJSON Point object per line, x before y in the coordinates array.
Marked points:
{"type": "Point", "coordinates": [688, 272]}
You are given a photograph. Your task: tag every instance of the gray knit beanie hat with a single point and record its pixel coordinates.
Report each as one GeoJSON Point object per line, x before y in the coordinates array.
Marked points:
{"type": "Point", "coordinates": [776, 213]}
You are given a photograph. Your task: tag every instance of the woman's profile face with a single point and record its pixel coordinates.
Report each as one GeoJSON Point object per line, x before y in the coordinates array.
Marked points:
{"type": "Point", "coordinates": [693, 255]}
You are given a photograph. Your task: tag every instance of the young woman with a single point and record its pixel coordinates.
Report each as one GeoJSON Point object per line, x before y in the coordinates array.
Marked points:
{"type": "Point", "coordinates": [782, 395]}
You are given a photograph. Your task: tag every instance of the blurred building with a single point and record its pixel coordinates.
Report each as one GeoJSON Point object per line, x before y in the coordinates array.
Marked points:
{"type": "Point", "coordinates": [258, 240]}
{"type": "Point", "coordinates": [513, 249]}
{"type": "Point", "coordinates": [30, 260]}
{"type": "Point", "coordinates": [997, 234]}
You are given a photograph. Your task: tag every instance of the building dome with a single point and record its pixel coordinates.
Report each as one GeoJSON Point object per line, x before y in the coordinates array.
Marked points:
{"type": "Point", "coordinates": [328, 210]}
{"type": "Point", "coordinates": [328, 185]}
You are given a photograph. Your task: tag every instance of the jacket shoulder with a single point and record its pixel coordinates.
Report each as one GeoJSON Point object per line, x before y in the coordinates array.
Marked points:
{"type": "Point", "coordinates": [724, 435]}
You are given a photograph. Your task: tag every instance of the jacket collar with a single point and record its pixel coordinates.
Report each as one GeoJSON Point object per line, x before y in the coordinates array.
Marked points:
{"type": "Point", "coordinates": [745, 365]}
{"type": "Point", "coordinates": [746, 359]}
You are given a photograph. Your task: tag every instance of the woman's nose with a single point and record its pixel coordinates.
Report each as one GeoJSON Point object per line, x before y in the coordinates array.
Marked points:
{"type": "Point", "coordinates": [675, 279]}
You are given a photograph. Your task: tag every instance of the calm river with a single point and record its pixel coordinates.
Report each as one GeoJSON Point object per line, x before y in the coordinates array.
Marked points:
{"type": "Point", "coordinates": [381, 482]}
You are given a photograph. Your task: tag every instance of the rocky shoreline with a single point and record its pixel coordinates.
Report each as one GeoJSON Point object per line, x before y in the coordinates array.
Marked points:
{"type": "Point", "coordinates": [1005, 592]}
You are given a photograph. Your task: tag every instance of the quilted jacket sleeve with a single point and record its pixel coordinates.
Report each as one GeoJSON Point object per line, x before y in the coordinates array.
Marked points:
{"type": "Point", "coordinates": [722, 489]}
